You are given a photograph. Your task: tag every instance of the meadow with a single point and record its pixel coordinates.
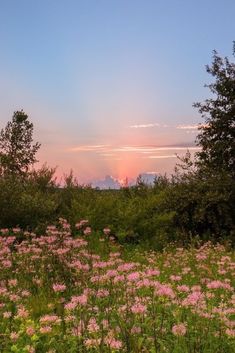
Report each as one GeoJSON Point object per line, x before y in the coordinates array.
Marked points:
{"type": "Point", "coordinates": [73, 290]}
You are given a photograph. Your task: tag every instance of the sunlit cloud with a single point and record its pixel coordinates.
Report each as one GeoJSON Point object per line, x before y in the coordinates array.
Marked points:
{"type": "Point", "coordinates": [162, 156]}
{"type": "Point", "coordinates": [87, 148]}
{"type": "Point", "coordinates": [150, 149]}
{"type": "Point", "coordinates": [110, 151]}
{"type": "Point", "coordinates": [152, 173]}
{"type": "Point", "coordinates": [141, 126]}
{"type": "Point", "coordinates": [187, 127]}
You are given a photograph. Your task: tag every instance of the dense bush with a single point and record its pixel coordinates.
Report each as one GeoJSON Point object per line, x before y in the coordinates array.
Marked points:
{"type": "Point", "coordinates": [29, 202]}
{"type": "Point", "coordinates": [169, 211]}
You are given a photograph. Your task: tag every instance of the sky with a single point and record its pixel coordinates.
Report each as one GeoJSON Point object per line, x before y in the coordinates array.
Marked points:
{"type": "Point", "coordinates": [109, 84]}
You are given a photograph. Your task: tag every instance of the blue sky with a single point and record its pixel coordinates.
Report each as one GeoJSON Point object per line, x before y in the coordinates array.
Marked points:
{"type": "Point", "coordinates": [99, 76]}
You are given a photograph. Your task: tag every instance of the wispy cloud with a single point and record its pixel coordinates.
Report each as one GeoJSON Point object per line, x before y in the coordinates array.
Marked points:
{"type": "Point", "coordinates": [187, 127]}
{"type": "Point", "coordinates": [142, 126]}
{"type": "Point", "coordinates": [150, 149]}
{"type": "Point", "coordinates": [111, 151]}
{"type": "Point", "coordinates": [152, 173]}
{"type": "Point", "coordinates": [87, 148]}
{"type": "Point", "coordinates": [162, 156]}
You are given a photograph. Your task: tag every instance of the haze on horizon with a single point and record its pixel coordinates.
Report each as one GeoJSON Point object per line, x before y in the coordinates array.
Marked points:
{"type": "Point", "coordinates": [109, 85]}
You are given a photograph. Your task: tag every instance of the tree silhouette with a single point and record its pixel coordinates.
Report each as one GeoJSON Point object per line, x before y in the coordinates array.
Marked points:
{"type": "Point", "coordinates": [17, 151]}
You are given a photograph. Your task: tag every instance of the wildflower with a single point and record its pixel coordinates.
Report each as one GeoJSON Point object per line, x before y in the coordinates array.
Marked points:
{"type": "Point", "coordinates": [134, 276]}
{"type": "Point", "coordinates": [92, 342]}
{"type": "Point", "coordinates": [230, 332]}
{"type": "Point", "coordinates": [14, 336]}
{"type": "Point", "coordinates": [138, 308]}
{"type": "Point", "coordinates": [70, 306]}
{"type": "Point", "coordinates": [165, 291]}
{"type": "Point", "coordinates": [30, 349]}
{"type": "Point", "coordinates": [81, 299]}
{"type": "Point", "coordinates": [152, 272]}
{"type": "Point", "coordinates": [102, 293]}
{"type": "Point", "coordinates": [22, 313]}
{"type": "Point", "coordinates": [87, 231]}
{"type": "Point", "coordinates": [50, 319]}
{"type": "Point", "coordinates": [135, 330]}
{"type": "Point", "coordinates": [12, 282]}
{"type": "Point", "coordinates": [175, 278]}
{"type": "Point", "coordinates": [45, 329]}
{"type": "Point", "coordinates": [93, 326]}
{"type": "Point", "coordinates": [30, 331]}
{"type": "Point", "coordinates": [113, 343]}
{"type": "Point", "coordinates": [219, 285]}
{"type": "Point", "coordinates": [192, 299]}
{"type": "Point", "coordinates": [183, 288]}
{"type": "Point", "coordinates": [7, 314]}
{"type": "Point", "coordinates": [179, 329]}
{"type": "Point", "coordinates": [106, 231]}
{"type": "Point", "coordinates": [59, 287]}
{"type": "Point", "coordinates": [105, 323]}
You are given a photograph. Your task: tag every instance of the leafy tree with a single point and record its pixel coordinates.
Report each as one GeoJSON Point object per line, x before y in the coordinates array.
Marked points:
{"type": "Point", "coordinates": [217, 135]}
{"type": "Point", "coordinates": [17, 151]}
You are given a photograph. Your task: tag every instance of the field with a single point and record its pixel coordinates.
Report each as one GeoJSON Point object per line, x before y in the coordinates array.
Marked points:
{"type": "Point", "coordinates": [86, 293]}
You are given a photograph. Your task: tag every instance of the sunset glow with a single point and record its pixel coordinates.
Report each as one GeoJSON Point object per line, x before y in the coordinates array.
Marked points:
{"type": "Point", "coordinates": [109, 85]}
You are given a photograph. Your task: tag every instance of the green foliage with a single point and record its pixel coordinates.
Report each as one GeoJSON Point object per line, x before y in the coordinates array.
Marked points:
{"type": "Point", "coordinates": [202, 193]}
{"type": "Point", "coordinates": [28, 202]}
{"type": "Point", "coordinates": [203, 206]}
{"type": "Point", "coordinates": [17, 152]}
{"type": "Point", "coordinates": [217, 134]}
{"type": "Point", "coordinates": [133, 214]}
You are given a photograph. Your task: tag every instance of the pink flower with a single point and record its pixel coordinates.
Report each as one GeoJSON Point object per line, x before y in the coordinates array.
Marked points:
{"type": "Point", "coordinates": [87, 231]}
{"type": "Point", "coordinates": [179, 330]}
{"type": "Point", "coordinates": [152, 272]}
{"type": "Point", "coordinates": [22, 313]}
{"type": "Point", "coordinates": [135, 330]}
{"type": "Point", "coordinates": [81, 299]}
{"type": "Point", "coordinates": [50, 319]}
{"type": "Point", "coordinates": [93, 326]}
{"type": "Point", "coordinates": [165, 291]}
{"type": "Point", "coordinates": [134, 276]}
{"type": "Point", "coordinates": [14, 336]}
{"type": "Point", "coordinates": [92, 342]}
{"type": "Point", "coordinates": [193, 298]}
{"type": "Point", "coordinates": [218, 285]}
{"type": "Point", "coordinates": [12, 282]}
{"type": "Point", "coordinates": [138, 308]}
{"type": "Point", "coordinates": [175, 278]}
{"type": "Point", "coordinates": [4, 231]}
{"type": "Point", "coordinates": [113, 343]}
{"type": "Point", "coordinates": [106, 231]}
{"type": "Point", "coordinates": [59, 287]}
{"type": "Point", "coordinates": [70, 306]}
{"type": "Point", "coordinates": [7, 314]}
{"type": "Point", "coordinates": [6, 263]}
{"type": "Point", "coordinates": [230, 332]}
{"type": "Point", "coordinates": [30, 331]}
{"type": "Point", "coordinates": [45, 329]}
{"type": "Point", "coordinates": [102, 293]}
{"type": "Point", "coordinates": [183, 288]}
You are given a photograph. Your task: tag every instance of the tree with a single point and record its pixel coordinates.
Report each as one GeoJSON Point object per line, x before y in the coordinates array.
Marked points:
{"type": "Point", "coordinates": [17, 151]}
{"type": "Point", "coordinates": [217, 135]}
